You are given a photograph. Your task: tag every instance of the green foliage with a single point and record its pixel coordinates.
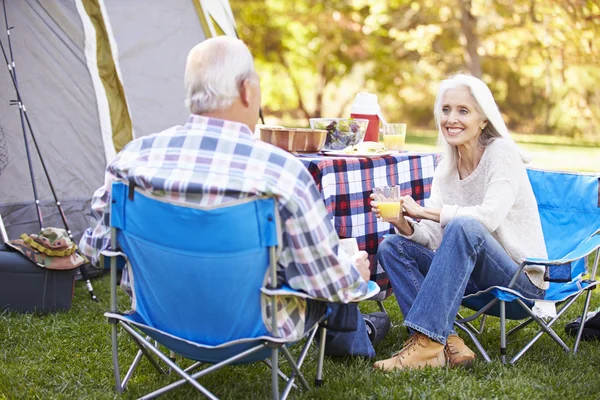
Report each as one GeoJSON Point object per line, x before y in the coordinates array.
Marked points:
{"type": "Point", "coordinates": [540, 58]}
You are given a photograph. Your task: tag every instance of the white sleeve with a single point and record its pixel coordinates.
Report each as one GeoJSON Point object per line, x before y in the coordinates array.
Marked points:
{"type": "Point", "coordinates": [428, 233]}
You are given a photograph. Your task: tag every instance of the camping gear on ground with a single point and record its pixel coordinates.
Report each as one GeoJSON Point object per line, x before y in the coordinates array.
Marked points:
{"type": "Point", "coordinates": [365, 106]}
{"type": "Point", "coordinates": [591, 328]}
{"type": "Point", "coordinates": [52, 248]}
{"type": "Point", "coordinates": [378, 325]}
{"type": "Point", "coordinates": [569, 207]}
{"type": "Point", "coordinates": [26, 287]}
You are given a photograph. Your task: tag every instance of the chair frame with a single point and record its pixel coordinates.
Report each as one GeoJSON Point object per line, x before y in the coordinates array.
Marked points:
{"type": "Point", "coordinates": [465, 325]}
{"type": "Point", "coordinates": [146, 348]}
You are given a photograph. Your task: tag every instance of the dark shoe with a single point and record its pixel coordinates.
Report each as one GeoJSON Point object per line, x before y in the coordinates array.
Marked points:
{"type": "Point", "coordinates": [378, 325]}
{"type": "Point", "coordinates": [591, 327]}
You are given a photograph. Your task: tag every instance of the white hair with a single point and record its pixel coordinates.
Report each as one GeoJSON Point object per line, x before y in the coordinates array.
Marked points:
{"type": "Point", "coordinates": [488, 110]}
{"type": "Point", "coordinates": [214, 71]}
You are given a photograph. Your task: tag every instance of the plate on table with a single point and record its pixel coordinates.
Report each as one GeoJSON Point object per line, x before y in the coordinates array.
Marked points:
{"type": "Point", "coordinates": [342, 153]}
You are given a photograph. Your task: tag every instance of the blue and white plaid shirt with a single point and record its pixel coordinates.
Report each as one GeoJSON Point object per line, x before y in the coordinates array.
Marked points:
{"type": "Point", "coordinates": [210, 161]}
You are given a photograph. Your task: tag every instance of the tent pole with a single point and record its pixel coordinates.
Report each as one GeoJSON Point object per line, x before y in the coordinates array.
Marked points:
{"type": "Point", "coordinates": [3, 231]}
{"type": "Point", "coordinates": [23, 113]}
{"type": "Point", "coordinates": [13, 75]}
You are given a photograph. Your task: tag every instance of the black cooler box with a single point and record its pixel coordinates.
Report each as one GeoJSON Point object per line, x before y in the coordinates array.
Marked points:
{"type": "Point", "coordinates": [25, 287]}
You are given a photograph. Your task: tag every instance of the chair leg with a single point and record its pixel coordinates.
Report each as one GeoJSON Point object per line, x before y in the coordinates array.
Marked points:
{"type": "Point", "coordinates": [586, 307]}
{"type": "Point", "coordinates": [275, 373]}
{"type": "Point", "coordinates": [466, 328]}
{"type": "Point", "coordinates": [290, 360]}
{"type": "Point", "coordinates": [503, 331]}
{"type": "Point", "coordinates": [545, 328]}
{"type": "Point", "coordinates": [319, 377]}
{"type": "Point", "coordinates": [132, 367]}
{"type": "Point", "coordinates": [281, 374]}
{"type": "Point", "coordinates": [115, 356]}
{"type": "Point", "coordinates": [381, 307]}
{"type": "Point", "coordinates": [297, 365]}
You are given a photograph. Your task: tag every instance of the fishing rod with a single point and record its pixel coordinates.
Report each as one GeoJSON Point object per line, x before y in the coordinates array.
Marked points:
{"type": "Point", "coordinates": [13, 75]}
{"type": "Point", "coordinates": [25, 118]}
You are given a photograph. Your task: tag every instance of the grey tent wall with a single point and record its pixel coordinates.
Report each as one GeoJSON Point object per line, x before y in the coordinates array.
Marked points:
{"type": "Point", "coordinates": [68, 100]}
{"type": "Point", "coordinates": [54, 81]}
{"type": "Point", "coordinates": [152, 51]}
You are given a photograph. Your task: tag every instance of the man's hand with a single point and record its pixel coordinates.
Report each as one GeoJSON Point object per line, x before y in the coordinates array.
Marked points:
{"type": "Point", "coordinates": [361, 261]}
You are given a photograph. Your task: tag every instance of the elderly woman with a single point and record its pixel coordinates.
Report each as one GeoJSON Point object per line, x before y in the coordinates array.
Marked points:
{"type": "Point", "coordinates": [479, 222]}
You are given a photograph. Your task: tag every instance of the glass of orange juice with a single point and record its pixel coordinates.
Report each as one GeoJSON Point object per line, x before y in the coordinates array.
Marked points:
{"type": "Point", "coordinates": [388, 201]}
{"type": "Point", "coordinates": [394, 136]}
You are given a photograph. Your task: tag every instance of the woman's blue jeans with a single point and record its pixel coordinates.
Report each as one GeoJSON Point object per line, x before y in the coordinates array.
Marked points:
{"type": "Point", "coordinates": [429, 286]}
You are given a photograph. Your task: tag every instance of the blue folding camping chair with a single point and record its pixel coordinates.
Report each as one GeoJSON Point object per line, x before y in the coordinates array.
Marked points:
{"type": "Point", "coordinates": [197, 277]}
{"type": "Point", "coordinates": [569, 207]}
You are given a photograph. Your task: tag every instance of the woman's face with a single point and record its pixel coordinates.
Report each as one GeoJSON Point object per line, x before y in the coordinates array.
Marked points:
{"type": "Point", "coordinates": [460, 121]}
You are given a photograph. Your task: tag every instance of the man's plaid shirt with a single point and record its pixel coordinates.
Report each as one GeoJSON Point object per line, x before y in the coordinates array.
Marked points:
{"type": "Point", "coordinates": [210, 161]}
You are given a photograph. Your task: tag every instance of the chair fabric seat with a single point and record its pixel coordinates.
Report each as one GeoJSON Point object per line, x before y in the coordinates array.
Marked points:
{"type": "Point", "coordinates": [556, 293]}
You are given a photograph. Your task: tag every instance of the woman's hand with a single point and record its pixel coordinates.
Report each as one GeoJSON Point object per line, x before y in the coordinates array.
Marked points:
{"type": "Point", "coordinates": [412, 208]}
{"type": "Point", "coordinates": [399, 222]}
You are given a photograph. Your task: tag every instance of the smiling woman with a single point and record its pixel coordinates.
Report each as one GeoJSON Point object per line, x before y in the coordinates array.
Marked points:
{"type": "Point", "coordinates": [481, 219]}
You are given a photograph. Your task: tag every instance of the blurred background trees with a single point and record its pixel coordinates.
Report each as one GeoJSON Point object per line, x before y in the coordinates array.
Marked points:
{"type": "Point", "coordinates": [539, 57]}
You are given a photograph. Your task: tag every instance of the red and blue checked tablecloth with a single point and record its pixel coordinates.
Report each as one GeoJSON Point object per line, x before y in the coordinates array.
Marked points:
{"type": "Point", "coordinates": [347, 182]}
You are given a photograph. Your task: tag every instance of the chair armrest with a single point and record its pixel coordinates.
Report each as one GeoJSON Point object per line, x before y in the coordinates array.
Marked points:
{"type": "Point", "coordinates": [583, 249]}
{"type": "Point", "coordinates": [110, 253]}
{"type": "Point", "coordinates": [285, 290]}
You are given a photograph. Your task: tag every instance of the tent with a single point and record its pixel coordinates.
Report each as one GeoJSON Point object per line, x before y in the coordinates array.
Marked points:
{"type": "Point", "coordinates": [93, 75]}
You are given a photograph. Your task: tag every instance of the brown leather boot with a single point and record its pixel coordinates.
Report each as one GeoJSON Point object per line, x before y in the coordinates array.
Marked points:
{"type": "Point", "coordinates": [457, 352]}
{"type": "Point", "coordinates": [419, 351]}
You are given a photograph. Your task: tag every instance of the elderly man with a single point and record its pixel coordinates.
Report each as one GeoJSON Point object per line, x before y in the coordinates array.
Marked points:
{"type": "Point", "coordinates": [214, 159]}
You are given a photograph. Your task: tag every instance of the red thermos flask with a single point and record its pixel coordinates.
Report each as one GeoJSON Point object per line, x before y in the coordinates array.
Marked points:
{"type": "Point", "coordinates": [365, 106]}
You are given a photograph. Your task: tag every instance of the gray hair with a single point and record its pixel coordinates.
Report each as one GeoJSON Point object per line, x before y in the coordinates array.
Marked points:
{"type": "Point", "coordinates": [486, 107]}
{"type": "Point", "coordinates": [214, 71]}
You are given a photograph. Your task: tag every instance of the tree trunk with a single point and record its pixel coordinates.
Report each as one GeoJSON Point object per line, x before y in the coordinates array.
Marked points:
{"type": "Point", "coordinates": [296, 86]}
{"type": "Point", "coordinates": [468, 24]}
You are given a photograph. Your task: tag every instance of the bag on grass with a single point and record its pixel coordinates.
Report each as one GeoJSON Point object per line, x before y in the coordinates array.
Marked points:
{"type": "Point", "coordinates": [591, 326]}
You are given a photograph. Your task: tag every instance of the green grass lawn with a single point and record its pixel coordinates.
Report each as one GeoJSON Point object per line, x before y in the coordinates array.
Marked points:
{"type": "Point", "coordinates": [67, 356]}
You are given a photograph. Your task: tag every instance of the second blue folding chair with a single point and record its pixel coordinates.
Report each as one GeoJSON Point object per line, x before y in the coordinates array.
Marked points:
{"type": "Point", "coordinates": [569, 207]}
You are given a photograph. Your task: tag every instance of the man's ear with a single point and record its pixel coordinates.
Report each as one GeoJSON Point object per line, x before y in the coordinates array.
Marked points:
{"type": "Point", "coordinates": [245, 92]}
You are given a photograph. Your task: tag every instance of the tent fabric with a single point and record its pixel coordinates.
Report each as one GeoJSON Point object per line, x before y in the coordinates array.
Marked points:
{"type": "Point", "coordinates": [152, 52]}
{"type": "Point", "coordinates": [101, 55]}
{"type": "Point", "coordinates": [92, 74]}
{"type": "Point", "coordinates": [55, 85]}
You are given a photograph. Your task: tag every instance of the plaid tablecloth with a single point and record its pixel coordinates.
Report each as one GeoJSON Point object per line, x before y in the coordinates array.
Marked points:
{"type": "Point", "coordinates": [346, 184]}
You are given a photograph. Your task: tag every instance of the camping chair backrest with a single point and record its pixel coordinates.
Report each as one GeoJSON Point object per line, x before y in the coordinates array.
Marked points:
{"type": "Point", "coordinates": [196, 273]}
{"type": "Point", "coordinates": [569, 208]}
